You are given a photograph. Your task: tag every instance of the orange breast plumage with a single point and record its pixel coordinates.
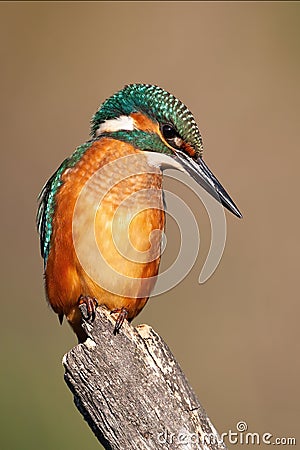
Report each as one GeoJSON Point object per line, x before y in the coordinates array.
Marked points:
{"type": "Point", "coordinates": [106, 233]}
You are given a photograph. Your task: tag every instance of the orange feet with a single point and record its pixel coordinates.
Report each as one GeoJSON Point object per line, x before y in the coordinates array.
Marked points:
{"type": "Point", "coordinates": [91, 304]}
{"type": "Point", "coordinates": [123, 313]}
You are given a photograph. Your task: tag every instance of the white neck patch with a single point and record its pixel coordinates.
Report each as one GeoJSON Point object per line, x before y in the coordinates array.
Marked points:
{"type": "Point", "coordinates": [118, 124]}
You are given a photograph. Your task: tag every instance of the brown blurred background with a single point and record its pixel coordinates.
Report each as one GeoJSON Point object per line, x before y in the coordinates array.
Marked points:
{"type": "Point", "coordinates": [236, 65]}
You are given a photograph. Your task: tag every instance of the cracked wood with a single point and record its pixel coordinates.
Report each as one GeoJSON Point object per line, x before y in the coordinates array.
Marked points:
{"type": "Point", "coordinates": [132, 392]}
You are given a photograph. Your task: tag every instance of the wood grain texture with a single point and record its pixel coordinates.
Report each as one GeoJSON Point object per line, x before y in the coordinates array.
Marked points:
{"type": "Point", "coordinates": [132, 392]}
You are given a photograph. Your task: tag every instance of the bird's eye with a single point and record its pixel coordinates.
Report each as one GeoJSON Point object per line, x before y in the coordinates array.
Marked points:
{"type": "Point", "coordinates": [171, 136]}
{"type": "Point", "coordinates": [168, 132]}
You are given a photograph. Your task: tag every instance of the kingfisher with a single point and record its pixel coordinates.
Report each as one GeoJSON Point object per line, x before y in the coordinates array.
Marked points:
{"type": "Point", "coordinates": [101, 215]}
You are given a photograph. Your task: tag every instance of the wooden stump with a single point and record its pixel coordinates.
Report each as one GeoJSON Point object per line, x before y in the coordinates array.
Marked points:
{"type": "Point", "coordinates": [132, 392]}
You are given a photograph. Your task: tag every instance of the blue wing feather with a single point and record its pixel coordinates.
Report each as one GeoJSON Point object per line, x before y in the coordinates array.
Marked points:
{"type": "Point", "coordinates": [47, 196]}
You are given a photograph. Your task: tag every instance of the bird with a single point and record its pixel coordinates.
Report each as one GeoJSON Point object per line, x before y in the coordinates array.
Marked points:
{"type": "Point", "coordinates": [107, 198]}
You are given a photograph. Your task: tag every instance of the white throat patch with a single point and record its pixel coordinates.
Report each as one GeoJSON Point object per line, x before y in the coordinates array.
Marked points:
{"type": "Point", "coordinates": [118, 124]}
{"type": "Point", "coordinates": [163, 161]}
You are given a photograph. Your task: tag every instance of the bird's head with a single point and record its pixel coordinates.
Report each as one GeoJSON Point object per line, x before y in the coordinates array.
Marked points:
{"type": "Point", "coordinates": [155, 121]}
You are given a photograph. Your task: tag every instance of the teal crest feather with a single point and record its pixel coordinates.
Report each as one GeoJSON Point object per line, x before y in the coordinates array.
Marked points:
{"type": "Point", "coordinates": [156, 103]}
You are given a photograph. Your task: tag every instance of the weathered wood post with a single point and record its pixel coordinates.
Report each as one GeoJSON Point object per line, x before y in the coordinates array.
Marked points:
{"type": "Point", "coordinates": [132, 392]}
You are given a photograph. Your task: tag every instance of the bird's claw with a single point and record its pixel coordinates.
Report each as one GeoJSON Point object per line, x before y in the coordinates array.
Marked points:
{"type": "Point", "coordinates": [91, 304]}
{"type": "Point", "coordinates": [123, 314]}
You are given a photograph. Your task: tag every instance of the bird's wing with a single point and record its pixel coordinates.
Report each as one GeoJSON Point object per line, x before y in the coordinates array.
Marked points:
{"type": "Point", "coordinates": [47, 199]}
{"type": "Point", "coordinates": [46, 210]}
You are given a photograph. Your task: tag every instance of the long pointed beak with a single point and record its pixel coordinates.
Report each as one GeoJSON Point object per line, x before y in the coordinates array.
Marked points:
{"type": "Point", "coordinates": [203, 176]}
